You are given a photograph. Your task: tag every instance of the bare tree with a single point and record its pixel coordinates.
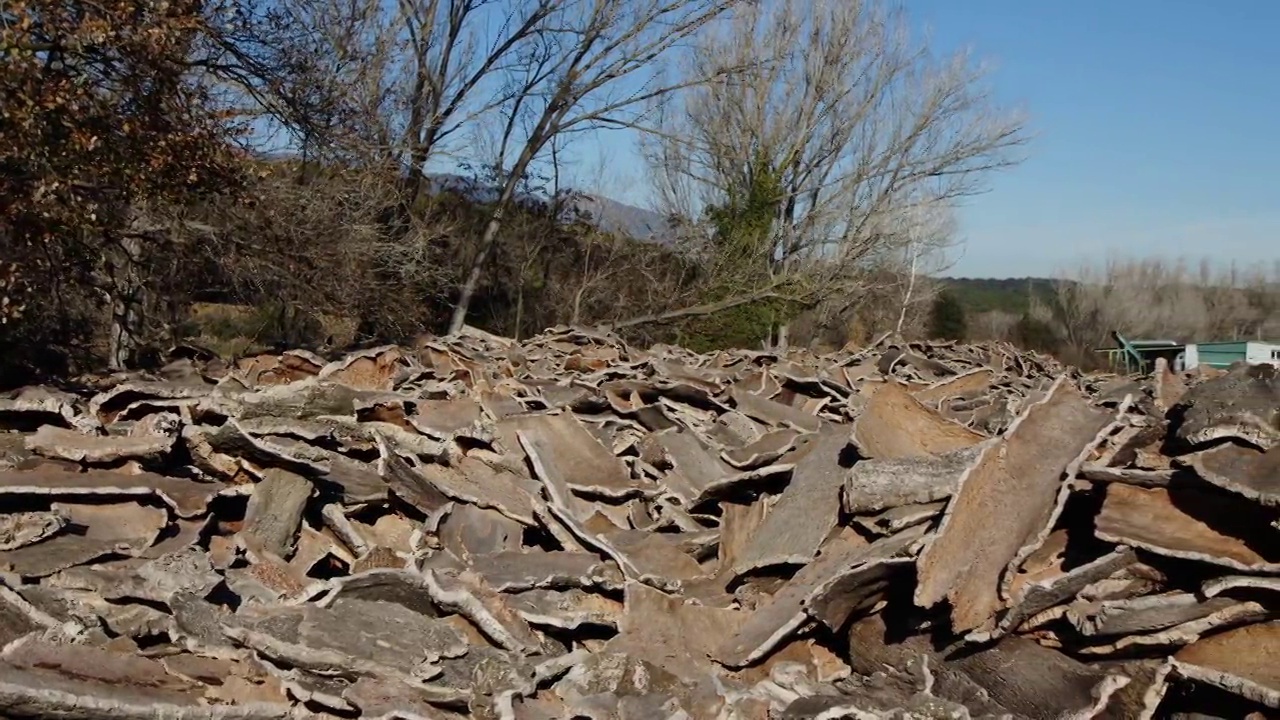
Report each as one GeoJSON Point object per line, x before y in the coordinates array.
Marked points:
{"type": "Point", "coordinates": [399, 80]}
{"type": "Point", "coordinates": [854, 116]}
{"type": "Point", "coordinates": [588, 70]}
{"type": "Point", "coordinates": [1165, 299]}
{"type": "Point", "coordinates": [929, 233]}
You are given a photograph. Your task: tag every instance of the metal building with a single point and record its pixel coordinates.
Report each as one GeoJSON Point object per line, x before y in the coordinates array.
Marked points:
{"type": "Point", "coordinates": [1224, 354]}
{"type": "Point", "coordinates": [1139, 356]}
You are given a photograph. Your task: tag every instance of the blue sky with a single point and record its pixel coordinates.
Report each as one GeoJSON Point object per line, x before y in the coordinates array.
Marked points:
{"type": "Point", "coordinates": [1156, 131]}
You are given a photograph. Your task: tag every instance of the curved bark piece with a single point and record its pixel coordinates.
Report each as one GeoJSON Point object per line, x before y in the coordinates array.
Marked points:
{"type": "Point", "coordinates": [1243, 404]}
{"type": "Point", "coordinates": [566, 449]}
{"type": "Point", "coordinates": [970, 382]}
{"type": "Point", "coordinates": [373, 369]}
{"type": "Point", "coordinates": [1244, 471]}
{"type": "Point", "coordinates": [188, 498]}
{"type": "Point", "coordinates": [786, 611]}
{"type": "Point", "coordinates": [807, 510]}
{"type": "Point", "coordinates": [895, 425]}
{"type": "Point", "coordinates": [1004, 500]}
{"type": "Point", "coordinates": [1182, 523]}
{"type": "Point", "coordinates": [1244, 661]}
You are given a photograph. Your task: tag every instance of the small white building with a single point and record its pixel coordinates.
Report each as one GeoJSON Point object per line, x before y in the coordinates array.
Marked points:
{"type": "Point", "coordinates": [1225, 354]}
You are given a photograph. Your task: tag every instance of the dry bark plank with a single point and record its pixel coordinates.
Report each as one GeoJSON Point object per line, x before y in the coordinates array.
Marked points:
{"type": "Point", "coordinates": [1244, 471]}
{"type": "Point", "coordinates": [155, 580]}
{"type": "Point", "coordinates": [1034, 596]}
{"type": "Point", "coordinates": [897, 519]}
{"type": "Point", "coordinates": [966, 383]}
{"type": "Point", "coordinates": [738, 524]}
{"type": "Point", "coordinates": [1045, 543]}
{"type": "Point", "coordinates": [1003, 500]}
{"type": "Point", "coordinates": [116, 528]}
{"type": "Point", "coordinates": [856, 591]}
{"type": "Point", "coordinates": [1036, 682]}
{"type": "Point", "coordinates": [1244, 661]}
{"type": "Point", "coordinates": [371, 369]}
{"type": "Point", "coordinates": [697, 473]}
{"type": "Point", "coordinates": [895, 425]}
{"type": "Point", "coordinates": [27, 528]}
{"type": "Point", "coordinates": [669, 632]}
{"type": "Point", "coordinates": [880, 483]}
{"type": "Point", "coordinates": [109, 404]}
{"type": "Point", "coordinates": [466, 594]}
{"type": "Point", "coordinates": [1161, 521]}
{"type": "Point", "coordinates": [899, 664]}
{"type": "Point", "coordinates": [301, 400]}
{"type": "Point", "coordinates": [27, 408]}
{"type": "Point", "coordinates": [1128, 476]}
{"type": "Point", "coordinates": [358, 482]}
{"type": "Point", "coordinates": [567, 450]}
{"type": "Point", "coordinates": [1240, 404]}
{"type": "Point", "coordinates": [188, 498]}
{"type": "Point", "coordinates": [1143, 614]}
{"type": "Point", "coordinates": [447, 418]}
{"type": "Point", "coordinates": [1168, 387]}
{"type": "Point", "coordinates": [407, 588]}
{"type": "Point", "coordinates": [98, 684]}
{"type": "Point", "coordinates": [763, 451]}
{"type": "Point", "coordinates": [275, 510]}
{"type": "Point", "coordinates": [785, 612]}
{"type": "Point", "coordinates": [654, 558]}
{"type": "Point", "coordinates": [355, 639]}
{"type": "Point", "coordinates": [535, 569]}
{"type": "Point", "coordinates": [467, 531]}
{"type": "Point", "coordinates": [406, 482]}
{"type": "Point", "coordinates": [567, 609]}
{"type": "Point", "coordinates": [232, 440]}
{"type": "Point", "coordinates": [573, 513]}
{"type": "Point", "coordinates": [1226, 613]}
{"type": "Point", "coordinates": [1240, 583]}
{"type": "Point", "coordinates": [772, 412]}
{"type": "Point", "coordinates": [807, 510]}
{"type": "Point", "coordinates": [382, 632]}
{"type": "Point", "coordinates": [63, 444]}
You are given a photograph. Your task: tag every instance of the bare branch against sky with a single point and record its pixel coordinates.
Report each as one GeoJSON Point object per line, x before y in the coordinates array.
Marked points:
{"type": "Point", "coordinates": [860, 120]}
{"type": "Point", "coordinates": [594, 66]}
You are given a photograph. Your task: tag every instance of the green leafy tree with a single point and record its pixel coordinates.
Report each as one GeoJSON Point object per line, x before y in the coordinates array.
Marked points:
{"type": "Point", "coordinates": [743, 236]}
{"type": "Point", "coordinates": [947, 318]}
{"type": "Point", "coordinates": [1035, 334]}
{"type": "Point", "coordinates": [103, 121]}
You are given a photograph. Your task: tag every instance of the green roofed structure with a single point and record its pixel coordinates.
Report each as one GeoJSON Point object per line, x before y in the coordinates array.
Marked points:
{"type": "Point", "coordinates": [1139, 356]}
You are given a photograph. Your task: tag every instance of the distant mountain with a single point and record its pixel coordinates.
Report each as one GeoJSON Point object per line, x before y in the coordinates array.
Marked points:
{"type": "Point", "coordinates": [623, 219]}
{"type": "Point", "coordinates": [605, 213]}
{"type": "Point", "coordinates": [608, 214]}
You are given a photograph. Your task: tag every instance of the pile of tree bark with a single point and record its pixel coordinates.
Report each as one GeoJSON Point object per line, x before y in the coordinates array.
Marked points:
{"type": "Point", "coordinates": [569, 527]}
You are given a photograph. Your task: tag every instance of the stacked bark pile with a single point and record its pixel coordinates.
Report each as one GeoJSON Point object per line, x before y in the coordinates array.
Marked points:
{"type": "Point", "coordinates": [572, 528]}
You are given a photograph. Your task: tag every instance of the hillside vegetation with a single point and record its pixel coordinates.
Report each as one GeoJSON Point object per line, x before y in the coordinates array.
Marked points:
{"type": "Point", "coordinates": [258, 172]}
{"type": "Point", "coordinates": [1073, 315]}
{"type": "Point", "coordinates": [255, 173]}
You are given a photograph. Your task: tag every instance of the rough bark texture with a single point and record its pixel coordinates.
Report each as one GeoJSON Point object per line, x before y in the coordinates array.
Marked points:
{"type": "Point", "coordinates": [571, 527]}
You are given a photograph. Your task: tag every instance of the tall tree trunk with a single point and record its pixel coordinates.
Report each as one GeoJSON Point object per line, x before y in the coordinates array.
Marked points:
{"type": "Point", "coordinates": [126, 300]}
{"type": "Point", "coordinates": [783, 339]}
{"type": "Point", "coordinates": [468, 292]}
{"type": "Point", "coordinates": [490, 237]}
